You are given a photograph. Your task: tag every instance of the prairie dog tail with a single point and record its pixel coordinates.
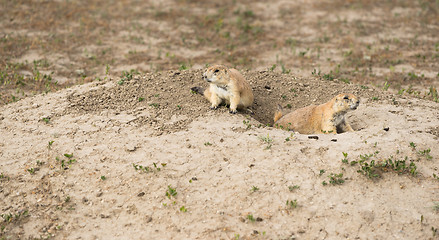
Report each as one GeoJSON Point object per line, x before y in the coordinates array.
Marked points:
{"type": "Point", "coordinates": [199, 90]}
{"type": "Point", "coordinates": [278, 113]}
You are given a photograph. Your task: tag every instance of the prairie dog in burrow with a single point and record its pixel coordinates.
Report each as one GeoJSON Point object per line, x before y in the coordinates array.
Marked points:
{"type": "Point", "coordinates": [328, 117]}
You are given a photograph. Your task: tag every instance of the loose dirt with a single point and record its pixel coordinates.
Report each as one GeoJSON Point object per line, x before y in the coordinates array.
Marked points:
{"type": "Point", "coordinates": [168, 96]}
{"type": "Point", "coordinates": [92, 162]}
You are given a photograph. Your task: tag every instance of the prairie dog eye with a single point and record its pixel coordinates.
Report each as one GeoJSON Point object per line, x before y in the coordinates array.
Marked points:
{"type": "Point", "coordinates": [216, 70]}
{"type": "Point", "coordinates": [346, 97]}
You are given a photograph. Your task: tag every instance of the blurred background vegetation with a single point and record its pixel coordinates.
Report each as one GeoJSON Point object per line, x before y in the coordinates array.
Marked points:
{"type": "Point", "coordinates": [48, 45]}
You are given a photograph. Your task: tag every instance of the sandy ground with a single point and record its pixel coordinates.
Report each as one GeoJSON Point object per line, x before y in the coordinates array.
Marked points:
{"type": "Point", "coordinates": [96, 162]}
{"type": "Point", "coordinates": [133, 154]}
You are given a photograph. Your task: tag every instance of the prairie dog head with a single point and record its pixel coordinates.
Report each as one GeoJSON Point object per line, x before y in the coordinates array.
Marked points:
{"type": "Point", "coordinates": [217, 74]}
{"type": "Point", "coordinates": [344, 102]}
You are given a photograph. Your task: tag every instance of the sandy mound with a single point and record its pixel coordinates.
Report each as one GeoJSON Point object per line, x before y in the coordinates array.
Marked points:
{"type": "Point", "coordinates": [147, 159]}
{"type": "Point", "coordinates": [167, 97]}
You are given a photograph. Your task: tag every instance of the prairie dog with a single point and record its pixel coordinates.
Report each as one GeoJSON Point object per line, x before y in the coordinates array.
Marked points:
{"type": "Point", "coordinates": [325, 118]}
{"type": "Point", "coordinates": [226, 85]}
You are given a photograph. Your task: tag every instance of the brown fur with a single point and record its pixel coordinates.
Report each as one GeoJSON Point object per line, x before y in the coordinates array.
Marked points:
{"type": "Point", "coordinates": [226, 85]}
{"type": "Point", "coordinates": [325, 118]}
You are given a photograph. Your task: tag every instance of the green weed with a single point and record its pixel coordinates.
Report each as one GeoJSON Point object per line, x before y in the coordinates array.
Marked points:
{"type": "Point", "coordinates": [434, 93]}
{"type": "Point", "coordinates": [171, 192]}
{"type": "Point", "coordinates": [400, 166]}
{"type": "Point", "coordinates": [126, 76]}
{"type": "Point", "coordinates": [413, 145]}
{"type": "Point", "coordinates": [303, 53]}
{"type": "Point", "coordinates": [426, 153]}
{"type": "Point", "coordinates": [373, 169]}
{"type": "Point", "coordinates": [386, 86]}
{"type": "Point", "coordinates": [183, 66]}
{"type": "Point", "coordinates": [290, 137]}
{"type": "Point", "coordinates": [31, 170]}
{"type": "Point", "coordinates": [50, 144]}
{"type": "Point", "coordinates": [46, 120]}
{"type": "Point", "coordinates": [315, 73]}
{"type": "Point", "coordinates": [330, 76]}
{"type": "Point", "coordinates": [9, 217]}
{"type": "Point", "coordinates": [247, 123]}
{"type": "Point", "coordinates": [369, 169]}
{"type": "Point", "coordinates": [66, 163]}
{"type": "Point", "coordinates": [267, 140]}
{"type": "Point", "coordinates": [345, 158]}
{"type": "Point", "coordinates": [336, 179]}
{"type": "Point", "coordinates": [412, 75]}
{"type": "Point", "coordinates": [155, 105]}
{"type": "Point", "coordinates": [251, 218]}
{"type": "Point", "coordinates": [284, 69]}
{"type": "Point", "coordinates": [345, 80]}
{"type": "Point", "coordinates": [366, 157]}
{"type": "Point", "coordinates": [292, 203]}
{"type": "Point", "coordinates": [154, 168]}
{"type": "Point", "coordinates": [293, 187]}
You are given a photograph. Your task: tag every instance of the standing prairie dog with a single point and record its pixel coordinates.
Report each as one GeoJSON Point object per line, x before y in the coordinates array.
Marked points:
{"type": "Point", "coordinates": [325, 118]}
{"type": "Point", "coordinates": [226, 85]}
